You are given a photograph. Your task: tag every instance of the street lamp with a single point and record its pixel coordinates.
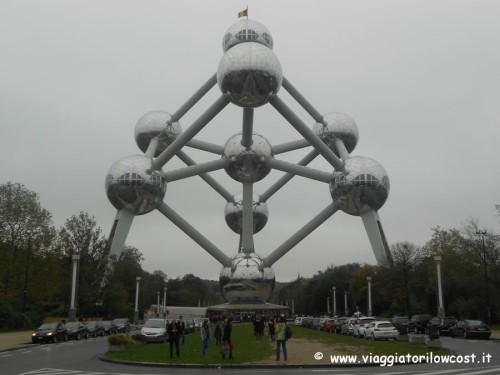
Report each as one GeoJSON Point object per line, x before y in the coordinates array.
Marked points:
{"type": "Point", "coordinates": [26, 269]}
{"type": "Point", "coordinates": [441, 312]}
{"type": "Point", "coordinates": [136, 311]}
{"type": "Point", "coordinates": [483, 233]}
{"type": "Point", "coordinates": [165, 302]}
{"type": "Point", "coordinates": [158, 304]}
{"type": "Point", "coordinates": [72, 308]}
{"type": "Point", "coordinates": [369, 279]}
{"type": "Point", "coordinates": [328, 305]}
{"type": "Point", "coordinates": [346, 309]}
{"type": "Point", "coordinates": [334, 299]}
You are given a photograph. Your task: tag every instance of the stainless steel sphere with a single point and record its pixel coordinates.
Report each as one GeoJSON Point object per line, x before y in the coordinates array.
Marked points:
{"type": "Point", "coordinates": [337, 125]}
{"type": "Point", "coordinates": [362, 187]}
{"type": "Point", "coordinates": [156, 124]}
{"type": "Point", "coordinates": [247, 31]}
{"type": "Point", "coordinates": [247, 280]}
{"type": "Point", "coordinates": [233, 212]}
{"type": "Point", "coordinates": [247, 164]}
{"type": "Point", "coordinates": [129, 185]}
{"type": "Point", "coordinates": [250, 73]}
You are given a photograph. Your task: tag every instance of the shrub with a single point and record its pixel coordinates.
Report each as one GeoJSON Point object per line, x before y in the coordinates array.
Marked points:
{"type": "Point", "coordinates": [434, 336]}
{"type": "Point", "coordinates": [139, 339]}
{"type": "Point", "coordinates": [120, 339]}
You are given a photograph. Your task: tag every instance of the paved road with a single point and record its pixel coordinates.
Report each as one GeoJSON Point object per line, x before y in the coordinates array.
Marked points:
{"type": "Point", "coordinates": [82, 358]}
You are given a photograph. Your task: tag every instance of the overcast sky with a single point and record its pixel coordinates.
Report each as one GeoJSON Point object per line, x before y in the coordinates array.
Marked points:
{"type": "Point", "coordinates": [420, 78]}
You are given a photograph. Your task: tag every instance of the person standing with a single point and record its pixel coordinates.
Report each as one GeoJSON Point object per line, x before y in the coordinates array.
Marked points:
{"type": "Point", "coordinates": [205, 336]}
{"type": "Point", "coordinates": [272, 328]}
{"type": "Point", "coordinates": [218, 334]}
{"type": "Point", "coordinates": [174, 332]}
{"type": "Point", "coordinates": [281, 338]}
{"type": "Point", "coordinates": [183, 330]}
{"type": "Point", "coordinates": [226, 338]}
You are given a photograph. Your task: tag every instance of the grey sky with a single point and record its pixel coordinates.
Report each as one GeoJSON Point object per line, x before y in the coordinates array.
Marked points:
{"type": "Point", "coordinates": [420, 78]}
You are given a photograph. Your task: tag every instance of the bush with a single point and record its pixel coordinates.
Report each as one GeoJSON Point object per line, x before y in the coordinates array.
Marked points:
{"type": "Point", "coordinates": [120, 339]}
{"type": "Point", "coordinates": [139, 339]}
{"type": "Point", "coordinates": [434, 336]}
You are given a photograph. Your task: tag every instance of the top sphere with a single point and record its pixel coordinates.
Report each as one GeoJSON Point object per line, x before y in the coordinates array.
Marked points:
{"type": "Point", "coordinates": [156, 124]}
{"type": "Point", "coordinates": [337, 125]}
{"type": "Point", "coordinates": [246, 31]}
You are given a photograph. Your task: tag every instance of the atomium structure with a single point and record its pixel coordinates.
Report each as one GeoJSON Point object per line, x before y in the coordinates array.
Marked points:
{"type": "Point", "coordinates": [249, 75]}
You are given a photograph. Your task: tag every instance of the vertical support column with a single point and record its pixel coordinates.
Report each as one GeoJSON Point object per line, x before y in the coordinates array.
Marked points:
{"type": "Point", "coordinates": [369, 279]}
{"type": "Point", "coordinates": [136, 310]}
{"type": "Point", "coordinates": [72, 308]}
{"type": "Point", "coordinates": [247, 226]}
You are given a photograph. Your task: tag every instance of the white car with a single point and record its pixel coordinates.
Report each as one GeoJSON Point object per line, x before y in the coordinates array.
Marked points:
{"type": "Point", "coordinates": [358, 330]}
{"type": "Point", "coordinates": [383, 330]}
{"type": "Point", "coordinates": [155, 330]}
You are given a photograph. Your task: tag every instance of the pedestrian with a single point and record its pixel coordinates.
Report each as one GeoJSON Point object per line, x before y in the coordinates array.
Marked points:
{"type": "Point", "coordinates": [281, 338]}
{"type": "Point", "coordinates": [183, 330]}
{"type": "Point", "coordinates": [227, 343]}
{"type": "Point", "coordinates": [218, 334]}
{"type": "Point", "coordinates": [205, 336]}
{"type": "Point", "coordinates": [272, 328]}
{"type": "Point", "coordinates": [174, 332]}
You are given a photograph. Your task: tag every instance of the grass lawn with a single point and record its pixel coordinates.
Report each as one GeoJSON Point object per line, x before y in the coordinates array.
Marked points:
{"type": "Point", "coordinates": [247, 349]}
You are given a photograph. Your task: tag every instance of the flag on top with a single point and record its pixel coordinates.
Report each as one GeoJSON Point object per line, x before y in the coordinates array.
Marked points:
{"type": "Point", "coordinates": [243, 13]}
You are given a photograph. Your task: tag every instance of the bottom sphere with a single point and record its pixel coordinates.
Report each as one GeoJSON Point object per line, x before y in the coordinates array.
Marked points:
{"type": "Point", "coordinates": [247, 280]}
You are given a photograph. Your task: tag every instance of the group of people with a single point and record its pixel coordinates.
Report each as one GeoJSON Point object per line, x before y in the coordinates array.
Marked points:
{"type": "Point", "coordinates": [222, 334]}
{"type": "Point", "coordinates": [277, 328]}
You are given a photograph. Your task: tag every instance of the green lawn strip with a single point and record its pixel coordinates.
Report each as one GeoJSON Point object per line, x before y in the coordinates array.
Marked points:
{"type": "Point", "coordinates": [353, 345]}
{"type": "Point", "coordinates": [246, 349]}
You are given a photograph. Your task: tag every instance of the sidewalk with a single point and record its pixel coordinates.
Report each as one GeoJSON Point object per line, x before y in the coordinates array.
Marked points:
{"type": "Point", "coordinates": [15, 340]}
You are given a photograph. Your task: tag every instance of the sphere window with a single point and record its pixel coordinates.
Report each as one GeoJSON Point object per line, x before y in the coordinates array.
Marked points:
{"type": "Point", "coordinates": [269, 40]}
{"type": "Point", "coordinates": [247, 35]}
{"type": "Point", "coordinates": [132, 179]}
{"type": "Point", "coordinates": [156, 179]}
{"type": "Point", "coordinates": [365, 180]}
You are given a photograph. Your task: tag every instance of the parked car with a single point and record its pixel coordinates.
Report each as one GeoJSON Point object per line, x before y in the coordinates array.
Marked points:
{"type": "Point", "coordinates": [441, 325]}
{"type": "Point", "coordinates": [381, 330]}
{"type": "Point", "coordinates": [470, 328]}
{"type": "Point", "coordinates": [96, 328]}
{"type": "Point", "coordinates": [109, 327]}
{"type": "Point", "coordinates": [401, 323]}
{"type": "Point", "coordinates": [418, 323]}
{"type": "Point", "coordinates": [77, 330]}
{"type": "Point", "coordinates": [358, 329]}
{"type": "Point", "coordinates": [122, 325]}
{"type": "Point", "coordinates": [50, 332]}
{"type": "Point", "coordinates": [337, 325]}
{"type": "Point", "coordinates": [348, 326]}
{"type": "Point", "coordinates": [189, 326]}
{"type": "Point", "coordinates": [299, 320]}
{"type": "Point", "coordinates": [155, 330]}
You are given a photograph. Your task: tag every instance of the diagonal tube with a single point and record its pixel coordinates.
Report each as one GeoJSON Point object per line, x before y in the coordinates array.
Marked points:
{"type": "Point", "coordinates": [196, 236]}
{"type": "Point", "coordinates": [301, 100]}
{"type": "Point", "coordinates": [287, 177]}
{"type": "Point", "coordinates": [190, 132]}
{"type": "Point", "coordinates": [339, 144]}
{"type": "Point", "coordinates": [207, 178]}
{"type": "Point", "coordinates": [311, 173]}
{"type": "Point", "coordinates": [194, 98]}
{"type": "Point", "coordinates": [300, 234]}
{"type": "Point", "coordinates": [194, 170]}
{"type": "Point", "coordinates": [290, 146]}
{"type": "Point", "coordinates": [206, 146]}
{"type": "Point", "coordinates": [307, 133]}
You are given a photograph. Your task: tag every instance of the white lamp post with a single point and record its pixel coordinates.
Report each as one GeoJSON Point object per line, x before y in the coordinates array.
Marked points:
{"type": "Point", "coordinates": [369, 279]}
{"type": "Point", "coordinates": [440, 311]}
{"type": "Point", "coordinates": [136, 311]}
{"type": "Point", "coordinates": [72, 308]}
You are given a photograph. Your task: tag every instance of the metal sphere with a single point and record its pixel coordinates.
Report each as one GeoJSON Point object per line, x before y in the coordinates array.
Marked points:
{"type": "Point", "coordinates": [233, 212]}
{"type": "Point", "coordinates": [130, 185]}
{"type": "Point", "coordinates": [362, 187]}
{"type": "Point", "coordinates": [247, 31]}
{"type": "Point", "coordinates": [247, 280]}
{"type": "Point", "coordinates": [250, 73]}
{"type": "Point", "coordinates": [156, 124]}
{"type": "Point", "coordinates": [247, 164]}
{"type": "Point", "coordinates": [337, 125]}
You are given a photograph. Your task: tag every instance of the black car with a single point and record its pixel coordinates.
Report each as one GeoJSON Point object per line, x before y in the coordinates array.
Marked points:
{"type": "Point", "coordinates": [442, 325]}
{"type": "Point", "coordinates": [77, 330]}
{"type": "Point", "coordinates": [109, 327]}
{"type": "Point", "coordinates": [401, 323]}
{"type": "Point", "coordinates": [122, 325]}
{"type": "Point", "coordinates": [418, 323]}
{"type": "Point", "coordinates": [470, 328]}
{"type": "Point", "coordinates": [95, 328]}
{"type": "Point", "coordinates": [50, 332]}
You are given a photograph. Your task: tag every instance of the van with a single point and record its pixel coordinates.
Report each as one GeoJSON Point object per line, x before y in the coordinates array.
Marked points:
{"type": "Point", "coordinates": [155, 330]}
